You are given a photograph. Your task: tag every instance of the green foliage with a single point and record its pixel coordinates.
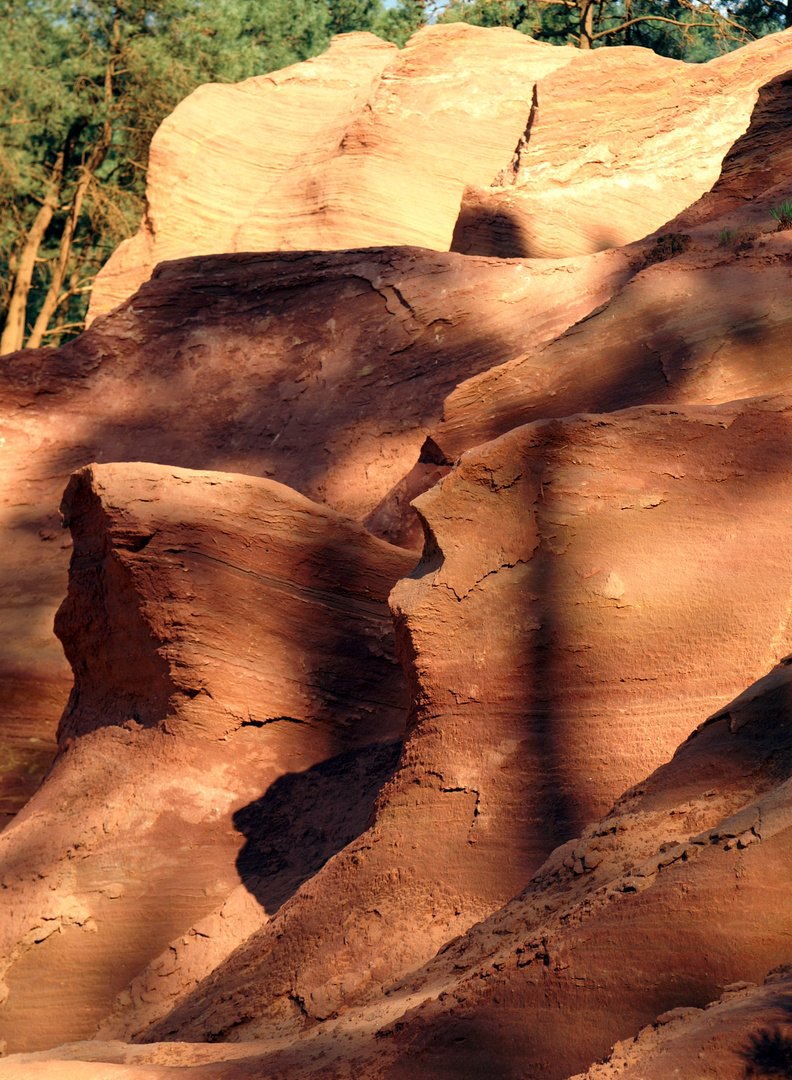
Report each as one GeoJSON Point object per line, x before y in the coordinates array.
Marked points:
{"type": "Point", "coordinates": [347, 15]}
{"type": "Point", "coordinates": [398, 23]}
{"type": "Point", "coordinates": [668, 246]}
{"type": "Point", "coordinates": [691, 30]}
{"type": "Point", "coordinates": [783, 216]}
{"type": "Point", "coordinates": [84, 85]}
{"type": "Point", "coordinates": [553, 23]}
{"type": "Point", "coordinates": [740, 239]}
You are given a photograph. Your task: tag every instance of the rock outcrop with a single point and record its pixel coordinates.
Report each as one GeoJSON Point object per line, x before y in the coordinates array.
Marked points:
{"type": "Point", "coordinates": [616, 939]}
{"type": "Point", "coordinates": [704, 319]}
{"type": "Point", "coordinates": [745, 1033]}
{"type": "Point", "coordinates": [617, 144]}
{"type": "Point", "coordinates": [237, 866]}
{"type": "Point", "coordinates": [579, 587]}
{"type": "Point", "coordinates": [615, 930]}
{"type": "Point", "coordinates": [323, 372]}
{"type": "Point", "coordinates": [367, 146]}
{"type": "Point", "coordinates": [237, 705]}
{"type": "Point", "coordinates": [362, 146]}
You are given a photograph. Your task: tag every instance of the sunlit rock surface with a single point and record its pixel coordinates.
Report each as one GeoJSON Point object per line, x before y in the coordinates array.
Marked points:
{"type": "Point", "coordinates": [617, 144]}
{"type": "Point", "coordinates": [323, 372]}
{"type": "Point", "coordinates": [237, 705]}
{"type": "Point", "coordinates": [598, 449]}
{"type": "Point", "coordinates": [480, 140]}
{"type": "Point", "coordinates": [362, 146]}
{"type": "Point", "coordinates": [578, 589]}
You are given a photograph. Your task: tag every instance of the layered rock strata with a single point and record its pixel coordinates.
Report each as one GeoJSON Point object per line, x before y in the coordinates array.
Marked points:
{"type": "Point", "coordinates": [366, 146]}
{"type": "Point", "coordinates": [745, 1033]}
{"type": "Point", "coordinates": [616, 930]}
{"type": "Point", "coordinates": [324, 372]}
{"type": "Point", "coordinates": [584, 583]}
{"type": "Point", "coordinates": [237, 704]}
{"type": "Point", "coordinates": [678, 893]}
{"type": "Point", "coordinates": [362, 146]}
{"type": "Point", "coordinates": [587, 177]}
{"type": "Point", "coordinates": [591, 587]}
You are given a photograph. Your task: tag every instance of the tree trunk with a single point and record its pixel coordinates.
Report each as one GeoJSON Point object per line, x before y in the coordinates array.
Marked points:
{"type": "Point", "coordinates": [14, 329]}
{"type": "Point", "coordinates": [98, 154]}
{"type": "Point", "coordinates": [586, 23]}
{"type": "Point", "coordinates": [50, 305]}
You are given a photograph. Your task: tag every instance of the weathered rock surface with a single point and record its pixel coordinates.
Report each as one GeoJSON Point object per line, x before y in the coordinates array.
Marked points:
{"type": "Point", "coordinates": [591, 588]}
{"type": "Point", "coordinates": [353, 379]}
{"type": "Point", "coordinates": [617, 144]}
{"type": "Point", "coordinates": [324, 372]}
{"type": "Point", "coordinates": [616, 930]}
{"type": "Point", "coordinates": [580, 587]}
{"type": "Point", "coordinates": [679, 892]}
{"type": "Point", "coordinates": [366, 145]}
{"type": "Point", "coordinates": [362, 146]}
{"type": "Point", "coordinates": [585, 583]}
{"type": "Point", "coordinates": [743, 1034]}
{"type": "Point", "coordinates": [232, 652]}
{"type": "Point", "coordinates": [699, 321]}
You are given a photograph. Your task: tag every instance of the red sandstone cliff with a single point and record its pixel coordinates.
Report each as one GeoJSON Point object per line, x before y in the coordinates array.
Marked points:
{"type": "Point", "coordinates": [268, 848]}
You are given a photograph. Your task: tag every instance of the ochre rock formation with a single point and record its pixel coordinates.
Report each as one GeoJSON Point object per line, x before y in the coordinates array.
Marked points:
{"type": "Point", "coordinates": [362, 146]}
{"type": "Point", "coordinates": [340, 366]}
{"type": "Point", "coordinates": [742, 1034]}
{"type": "Point", "coordinates": [578, 588]}
{"type": "Point", "coordinates": [677, 893]}
{"type": "Point", "coordinates": [228, 638]}
{"type": "Point", "coordinates": [367, 145]}
{"type": "Point", "coordinates": [617, 144]}
{"type": "Point", "coordinates": [231, 847]}
{"type": "Point", "coordinates": [700, 321]}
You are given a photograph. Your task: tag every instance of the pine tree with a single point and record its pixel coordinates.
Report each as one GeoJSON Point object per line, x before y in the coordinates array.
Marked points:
{"type": "Point", "coordinates": [83, 86]}
{"type": "Point", "coordinates": [685, 29]}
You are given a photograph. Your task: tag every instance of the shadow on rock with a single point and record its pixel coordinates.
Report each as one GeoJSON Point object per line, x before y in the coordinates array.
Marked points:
{"type": "Point", "coordinates": [304, 818]}
{"type": "Point", "coordinates": [769, 1054]}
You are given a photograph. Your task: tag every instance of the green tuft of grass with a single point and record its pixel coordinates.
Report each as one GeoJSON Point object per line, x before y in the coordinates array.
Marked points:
{"type": "Point", "coordinates": [728, 238]}
{"type": "Point", "coordinates": [783, 216]}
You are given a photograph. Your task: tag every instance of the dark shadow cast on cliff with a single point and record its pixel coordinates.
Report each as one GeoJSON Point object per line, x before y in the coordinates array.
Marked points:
{"type": "Point", "coordinates": [303, 819]}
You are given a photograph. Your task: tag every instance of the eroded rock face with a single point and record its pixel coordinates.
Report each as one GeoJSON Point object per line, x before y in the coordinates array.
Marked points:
{"type": "Point", "coordinates": [324, 372]}
{"type": "Point", "coordinates": [580, 587]}
{"type": "Point", "coordinates": [679, 892]}
{"type": "Point", "coordinates": [366, 145]}
{"type": "Point", "coordinates": [618, 929]}
{"type": "Point", "coordinates": [591, 588]}
{"type": "Point", "coordinates": [705, 317]}
{"type": "Point", "coordinates": [188, 730]}
{"type": "Point", "coordinates": [362, 146]}
{"type": "Point", "coordinates": [742, 1034]}
{"type": "Point", "coordinates": [617, 144]}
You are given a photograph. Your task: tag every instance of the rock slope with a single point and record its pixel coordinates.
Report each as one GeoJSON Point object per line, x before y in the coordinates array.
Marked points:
{"type": "Point", "coordinates": [617, 144]}
{"type": "Point", "coordinates": [524, 649]}
{"type": "Point", "coordinates": [340, 370]}
{"type": "Point", "coordinates": [367, 145]}
{"type": "Point", "coordinates": [234, 862]}
{"type": "Point", "coordinates": [362, 146]}
{"type": "Point", "coordinates": [196, 690]}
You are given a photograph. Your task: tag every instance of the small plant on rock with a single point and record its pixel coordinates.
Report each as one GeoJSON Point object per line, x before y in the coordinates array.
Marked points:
{"type": "Point", "coordinates": [728, 238]}
{"type": "Point", "coordinates": [668, 246]}
{"type": "Point", "coordinates": [783, 216]}
{"type": "Point", "coordinates": [739, 239]}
